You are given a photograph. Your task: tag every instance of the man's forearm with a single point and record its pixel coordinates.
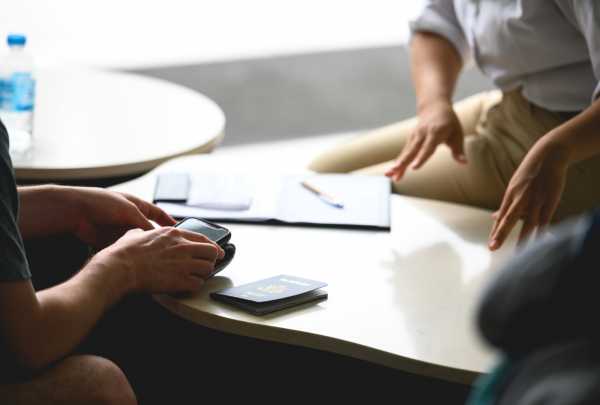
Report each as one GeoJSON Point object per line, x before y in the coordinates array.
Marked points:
{"type": "Point", "coordinates": [435, 69]}
{"type": "Point", "coordinates": [71, 310]}
{"type": "Point", "coordinates": [59, 318]}
{"type": "Point", "coordinates": [45, 210]}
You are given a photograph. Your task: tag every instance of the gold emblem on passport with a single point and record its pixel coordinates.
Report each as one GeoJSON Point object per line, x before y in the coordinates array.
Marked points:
{"type": "Point", "coordinates": [274, 289]}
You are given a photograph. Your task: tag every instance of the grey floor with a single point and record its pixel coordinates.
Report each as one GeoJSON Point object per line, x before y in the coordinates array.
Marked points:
{"type": "Point", "coordinates": [309, 95]}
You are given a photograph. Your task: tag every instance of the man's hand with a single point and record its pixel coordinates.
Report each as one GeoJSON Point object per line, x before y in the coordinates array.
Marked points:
{"type": "Point", "coordinates": [103, 216]}
{"type": "Point", "coordinates": [97, 216]}
{"type": "Point", "coordinates": [40, 328]}
{"type": "Point", "coordinates": [534, 191]}
{"type": "Point", "coordinates": [159, 261]}
{"type": "Point", "coordinates": [437, 124]}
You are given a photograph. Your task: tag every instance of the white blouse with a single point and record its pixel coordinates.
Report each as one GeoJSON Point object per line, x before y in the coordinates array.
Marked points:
{"type": "Point", "coordinates": [549, 48]}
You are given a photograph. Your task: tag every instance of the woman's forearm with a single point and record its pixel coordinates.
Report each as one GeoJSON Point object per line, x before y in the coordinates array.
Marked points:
{"type": "Point", "coordinates": [578, 138]}
{"type": "Point", "coordinates": [435, 69]}
{"type": "Point", "coordinates": [536, 187]}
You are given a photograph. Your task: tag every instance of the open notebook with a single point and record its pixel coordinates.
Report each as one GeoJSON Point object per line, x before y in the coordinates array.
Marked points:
{"type": "Point", "coordinates": [283, 199]}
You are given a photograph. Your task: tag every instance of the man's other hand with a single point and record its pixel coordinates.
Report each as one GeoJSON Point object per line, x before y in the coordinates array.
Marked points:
{"type": "Point", "coordinates": [103, 216]}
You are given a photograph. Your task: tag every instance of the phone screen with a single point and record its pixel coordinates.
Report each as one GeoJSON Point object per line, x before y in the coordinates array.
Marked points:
{"type": "Point", "coordinates": [205, 229]}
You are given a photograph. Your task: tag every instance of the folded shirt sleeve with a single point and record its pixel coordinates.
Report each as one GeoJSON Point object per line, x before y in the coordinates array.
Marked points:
{"type": "Point", "coordinates": [439, 17]}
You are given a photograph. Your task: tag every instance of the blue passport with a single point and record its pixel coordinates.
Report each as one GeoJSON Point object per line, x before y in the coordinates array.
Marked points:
{"type": "Point", "coordinates": [271, 294]}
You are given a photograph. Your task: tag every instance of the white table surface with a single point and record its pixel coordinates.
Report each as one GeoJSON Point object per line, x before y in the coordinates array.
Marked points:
{"type": "Point", "coordinates": [403, 299]}
{"type": "Point", "coordinates": [92, 124]}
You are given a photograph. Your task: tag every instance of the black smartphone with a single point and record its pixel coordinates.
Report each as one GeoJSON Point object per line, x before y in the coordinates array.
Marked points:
{"type": "Point", "coordinates": [212, 231]}
{"type": "Point", "coordinates": [215, 233]}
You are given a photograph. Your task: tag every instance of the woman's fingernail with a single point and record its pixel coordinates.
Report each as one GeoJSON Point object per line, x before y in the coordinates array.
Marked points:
{"type": "Point", "coordinates": [495, 244]}
{"type": "Point", "coordinates": [416, 163]}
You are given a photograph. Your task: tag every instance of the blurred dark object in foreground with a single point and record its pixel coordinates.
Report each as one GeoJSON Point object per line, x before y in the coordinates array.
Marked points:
{"type": "Point", "coordinates": [542, 310]}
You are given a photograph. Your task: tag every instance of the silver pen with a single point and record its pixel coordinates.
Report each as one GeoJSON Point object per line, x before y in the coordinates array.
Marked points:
{"type": "Point", "coordinates": [324, 196]}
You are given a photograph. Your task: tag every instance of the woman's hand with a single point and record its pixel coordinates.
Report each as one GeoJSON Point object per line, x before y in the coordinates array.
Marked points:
{"type": "Point", "coordinates": [437, 124]}
{"type": "Point", "coordinates": [534, 191]}
{"type": "Point", "coordinates": [103, 216]}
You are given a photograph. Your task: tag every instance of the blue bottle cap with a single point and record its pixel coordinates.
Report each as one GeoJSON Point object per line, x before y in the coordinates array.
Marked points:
{"type": "Point", "coordinates": [16, 39]}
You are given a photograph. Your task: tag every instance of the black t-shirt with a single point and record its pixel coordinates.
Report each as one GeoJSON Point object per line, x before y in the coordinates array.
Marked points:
{"type": "Point", "coordinates": [13, 263]}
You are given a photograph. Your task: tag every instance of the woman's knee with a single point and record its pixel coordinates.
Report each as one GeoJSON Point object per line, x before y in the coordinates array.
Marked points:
{"type": "Point", "coordinates": [370, 148]}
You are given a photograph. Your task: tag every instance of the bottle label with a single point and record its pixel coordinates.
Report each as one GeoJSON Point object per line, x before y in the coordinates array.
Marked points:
{"type": "Point", "coordinates": [17, 92]}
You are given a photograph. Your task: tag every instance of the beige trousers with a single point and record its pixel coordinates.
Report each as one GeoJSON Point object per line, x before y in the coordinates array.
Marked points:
{"type": "Point", "coordinates": [499, 129]}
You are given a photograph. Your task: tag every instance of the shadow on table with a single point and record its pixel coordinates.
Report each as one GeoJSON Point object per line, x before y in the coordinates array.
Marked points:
{"type": "Point", "coordinates": [169, 360]}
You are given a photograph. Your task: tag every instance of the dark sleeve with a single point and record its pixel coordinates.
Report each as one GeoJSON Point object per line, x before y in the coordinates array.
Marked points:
{"type": "Point", "coordinates": [548, 293]}
{"type": "Point", "coordinates": [13, 263]}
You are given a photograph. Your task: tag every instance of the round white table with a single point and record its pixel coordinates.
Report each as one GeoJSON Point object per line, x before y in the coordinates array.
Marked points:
{"type": "Point", "coordinates": [404, 299]}
{"type": "Point", "coordinates": [92, 124]}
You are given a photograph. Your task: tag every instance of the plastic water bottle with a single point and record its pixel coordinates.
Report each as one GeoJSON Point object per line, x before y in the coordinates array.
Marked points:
{"type": "Point", "coordinates": [17, 94]}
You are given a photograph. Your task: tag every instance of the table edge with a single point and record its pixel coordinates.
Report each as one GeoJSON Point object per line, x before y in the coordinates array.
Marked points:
{"type": "Point", "coordinates": [90, 173]}
{"type": "Point", "coordinates": [306, 339]}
